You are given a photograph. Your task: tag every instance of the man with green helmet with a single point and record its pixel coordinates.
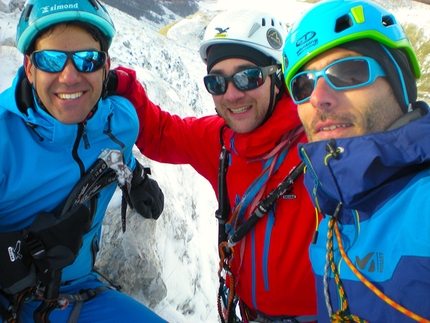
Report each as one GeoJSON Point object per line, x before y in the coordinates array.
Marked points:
{"type": "Point", "coordinates": [63, 144]}
{"type": "Point", "coordinates": [351, 70]}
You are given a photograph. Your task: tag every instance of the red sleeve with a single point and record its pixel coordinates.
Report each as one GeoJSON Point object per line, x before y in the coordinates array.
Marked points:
{"type": "Point", "coordinates": [169, 138]}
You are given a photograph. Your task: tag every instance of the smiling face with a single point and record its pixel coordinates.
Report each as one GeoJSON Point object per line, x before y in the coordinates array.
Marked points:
{"type": "Point", "coordinates": [243, 111]}
{"type": "Point", "coordinates": [68, 95]}
{"type": "Point", "coordinates": [331, 113]}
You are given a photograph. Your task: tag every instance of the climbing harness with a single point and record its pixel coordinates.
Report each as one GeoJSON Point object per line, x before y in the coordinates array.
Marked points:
{"type": "Point", "coordinates": [227, 298]}
{"type": "Point", "coordinates": [45, 286]}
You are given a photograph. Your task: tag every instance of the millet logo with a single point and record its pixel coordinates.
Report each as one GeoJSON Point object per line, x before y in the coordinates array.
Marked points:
{"type": "Point", "coordinates": [372, 262]}
{"type": "Point", "coordinates": [14, 253]}
{"type": "Point", "coordinates": [56, 7]}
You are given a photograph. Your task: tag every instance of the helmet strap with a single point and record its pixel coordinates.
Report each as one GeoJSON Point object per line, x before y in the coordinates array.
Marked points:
{"type": "Point", "coordinates": [274, 98]}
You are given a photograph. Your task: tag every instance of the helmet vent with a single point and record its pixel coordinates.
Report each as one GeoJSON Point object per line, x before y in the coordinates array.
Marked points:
{"type": "Point", "coordinates": [253, 29]}
{"type": "Point", "coordinates": [94, 4]}
{"type": "Point", "coordinates": [27, 11]}
{"type": "Point", "coordinates": [343, 23]}
{"type": "Point", "coordinates": [387, 21]}
{"type": "Point", "coordinates": [263, 22]}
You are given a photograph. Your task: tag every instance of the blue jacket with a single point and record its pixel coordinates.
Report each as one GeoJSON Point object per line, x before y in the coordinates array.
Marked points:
{"type": "Point", "coordinates": [38, 174]}
{"type": "Point", "coordinates": [382, 181]}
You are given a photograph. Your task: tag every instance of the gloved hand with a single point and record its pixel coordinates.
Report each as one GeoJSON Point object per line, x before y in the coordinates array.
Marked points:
{"type": "Point", "coordinates": [61, 237]}
{"type": "Point", "coordinates": [145, 194]}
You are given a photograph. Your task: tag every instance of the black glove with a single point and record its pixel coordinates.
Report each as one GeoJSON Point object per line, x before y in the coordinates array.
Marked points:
{"type": "Point", "coordinates": [145, 194]}
{"type": "Point", "coordinates": [61, 237]}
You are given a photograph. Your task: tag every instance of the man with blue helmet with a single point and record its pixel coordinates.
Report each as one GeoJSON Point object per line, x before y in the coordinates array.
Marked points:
{"type": "Point", "coordinates": [63, 144]}
{"type": "Point", "coordinates": [353, 78]}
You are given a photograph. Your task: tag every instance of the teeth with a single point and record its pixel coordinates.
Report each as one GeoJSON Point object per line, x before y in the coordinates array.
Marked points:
{"type": "Point", "coordinates": [333, 127]}
{"type": "Point", "coordinates": [71, 96]}
{"type": "Point", "coordinates": [241, 110]}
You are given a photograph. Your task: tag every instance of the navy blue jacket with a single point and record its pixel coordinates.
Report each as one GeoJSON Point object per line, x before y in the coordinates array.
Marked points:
{"type": "Point", "coordinates": [382, 181]}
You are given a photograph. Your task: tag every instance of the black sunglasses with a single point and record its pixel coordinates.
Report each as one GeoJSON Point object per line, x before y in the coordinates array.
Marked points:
{"type": "Point", "coordinates": [54, 61]}
{"type": "Point", "coordinates": [245, 80]}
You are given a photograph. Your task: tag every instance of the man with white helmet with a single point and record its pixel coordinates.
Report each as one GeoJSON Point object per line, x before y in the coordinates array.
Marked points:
{"type": "Point", "coordinates": [353, 77]}
{"type": "Point", "coordinates": [263, 240]}
{"type": "Point", "coordinates": [62, 144]}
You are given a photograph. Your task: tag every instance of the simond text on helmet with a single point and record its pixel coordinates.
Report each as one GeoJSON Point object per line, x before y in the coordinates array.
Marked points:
{"type": "Point", "coordinates": [56, 7]}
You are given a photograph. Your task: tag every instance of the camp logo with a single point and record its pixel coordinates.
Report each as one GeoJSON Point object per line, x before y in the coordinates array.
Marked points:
{"type": "Point", "coordinates": [56, 7]}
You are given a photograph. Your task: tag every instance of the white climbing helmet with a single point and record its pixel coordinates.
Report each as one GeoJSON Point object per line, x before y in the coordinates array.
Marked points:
{"type": "Point", "coordinates": [256, 29]}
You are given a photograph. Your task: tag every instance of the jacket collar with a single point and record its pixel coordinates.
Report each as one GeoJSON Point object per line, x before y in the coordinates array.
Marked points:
{"type": "Point", "coordinates": [41, 122]}
{"type": "Point", "coordinates": [367, 170]}
{"type": "Point", "coordinates": [262, 140]}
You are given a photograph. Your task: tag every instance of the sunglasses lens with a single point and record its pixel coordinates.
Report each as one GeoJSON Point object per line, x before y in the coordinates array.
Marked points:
{"type": "Point", "coordinates": [245, 80]}
{"type": "Point", "coordinates": [49, 61]}
{"type": "Point", "coordinates": [55, 61]}
{"type": "Point", "coordinates": [89, 61]}
{"type": "Point", "coordinates": [302, 86]}
{"type": "Point", "coordinates": [248, 79]}
{"type": "Point", "coordinates": [348, 73]}
{"type": "Point", "coordinates": [215, 84]}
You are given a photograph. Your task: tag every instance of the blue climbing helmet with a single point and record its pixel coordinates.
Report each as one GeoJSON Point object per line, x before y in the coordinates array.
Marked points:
{"type": "Point", "coordinates": [40, 14]}
{"type": "Point", "coordinates": [334, 22]}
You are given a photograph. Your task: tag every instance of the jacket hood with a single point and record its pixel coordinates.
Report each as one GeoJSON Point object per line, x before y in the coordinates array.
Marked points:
{"type": "Point", "coordinates": [366, 170]}
{"type": "Point", "coordinates": [263, 139]}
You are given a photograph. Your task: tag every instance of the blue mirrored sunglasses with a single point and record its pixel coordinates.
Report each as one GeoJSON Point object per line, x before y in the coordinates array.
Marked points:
{"type": "Point", "coordinates": [53, 61]}
{"type": "Point", "coordinates": [245, 80]}
{"type": "Point", "coordinates": [346, 73]}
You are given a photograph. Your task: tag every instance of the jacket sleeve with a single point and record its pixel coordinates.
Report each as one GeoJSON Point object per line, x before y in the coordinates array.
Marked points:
{"type": "Point", "coordinates": [168, 138]}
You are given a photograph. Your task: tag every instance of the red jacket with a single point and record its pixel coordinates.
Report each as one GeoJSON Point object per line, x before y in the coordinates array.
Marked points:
{"type": "Point", "coordinates": [274, 274]}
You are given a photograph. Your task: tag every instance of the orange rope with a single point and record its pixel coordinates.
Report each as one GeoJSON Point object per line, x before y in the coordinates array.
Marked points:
{"type": "Point", "coordinates": [342, 315]}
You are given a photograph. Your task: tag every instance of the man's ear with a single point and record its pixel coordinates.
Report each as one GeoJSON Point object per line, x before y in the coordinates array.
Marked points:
{"type": "Point", "coordinates": [107, 67]}
{"type": "Point", "coordinates": [28, 67]}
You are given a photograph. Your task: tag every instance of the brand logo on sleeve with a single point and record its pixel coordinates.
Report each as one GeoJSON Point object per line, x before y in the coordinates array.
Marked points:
{"type": "Point", "coordinates": [14, 253]}
{"type": "Point", "coordinates": [373, 262]}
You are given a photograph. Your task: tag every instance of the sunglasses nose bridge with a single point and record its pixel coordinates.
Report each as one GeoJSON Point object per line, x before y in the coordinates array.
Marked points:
{"type": "Point", "coordinates": [70, 73]}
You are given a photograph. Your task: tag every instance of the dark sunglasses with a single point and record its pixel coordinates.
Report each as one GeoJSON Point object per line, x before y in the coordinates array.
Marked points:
{"type": "Point", "coordinates": [346, 73]}
{"type": "Point", "coordinates": [245, 80]}
{"type": "Point", "coordinates": [53, 61]}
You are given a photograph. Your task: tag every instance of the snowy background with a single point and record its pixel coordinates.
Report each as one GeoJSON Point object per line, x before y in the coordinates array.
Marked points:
{"type": "Point", "coordinates": [171, 264]}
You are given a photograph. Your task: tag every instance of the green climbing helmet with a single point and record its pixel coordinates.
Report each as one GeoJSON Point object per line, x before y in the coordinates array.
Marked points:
{"type": "Point", "coordinates": [40, 14]}
{"type": "Point", "coordinates": [334, 22]}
